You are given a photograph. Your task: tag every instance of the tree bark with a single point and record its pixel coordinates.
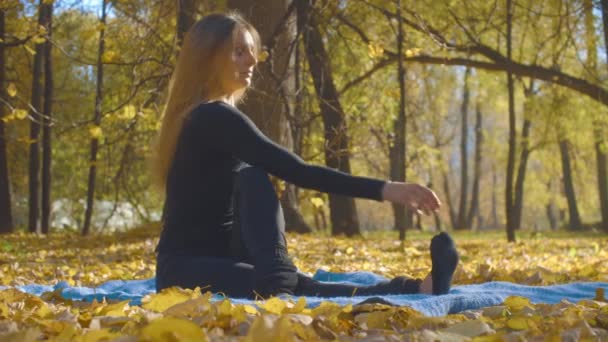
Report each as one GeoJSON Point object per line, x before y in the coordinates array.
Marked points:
{"type": "Point", "coordinates": [512, 142]}
{"type": "Point", "coordinates": [494, 198]}
{"type": "Point", "coordinates": [518, 201]}
{"type": "Point", "coordinates": [46, 122]}
{"type": "Point", "coordinates": [97, 122]}
{"type": "Point", "coordinates": [267, 104]}
{"type": "Point", "coordinates": [36, 118]}
{"type": "Point", "coordinates": [343, 212]}
{"type": "Point", "coordinates": [573, 214]}
{"type": "Point", "coordinates": [448, 199]}
{"type": "Point", "coordinates": [186, 12]}
{"type": "Point", "coordinates": [464, 155]}
{"type": "Point", "coordinates": [600, 145]}
{"type": "Point", "coordinates": [6, 214]}
{"type": "Point", "coordinates": [398, 147]}
{"type": "Point", "coordinates": [474, 209]}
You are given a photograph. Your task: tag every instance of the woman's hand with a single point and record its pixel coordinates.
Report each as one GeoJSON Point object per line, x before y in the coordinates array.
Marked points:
{"type": "Point", "coordinates": [414, 196]}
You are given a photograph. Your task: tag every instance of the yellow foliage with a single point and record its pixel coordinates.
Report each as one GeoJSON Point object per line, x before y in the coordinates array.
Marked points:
{"type": "Point", "coordinates": [168, 329]}
{"type": "Point", "coordinates": [11, 90]}
{"type": "Point", "coordinates": [178, 314]}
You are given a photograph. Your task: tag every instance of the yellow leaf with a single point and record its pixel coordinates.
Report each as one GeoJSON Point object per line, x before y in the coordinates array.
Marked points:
{"type": "Point", "coordinates": [101, 26]}
{"type": "Point", "coordinates": [250, 309]}
{"type": "Point", "coordinates": [29, 49]}
{"type": "Point", "coordinates": [374, 50]}
{"type": "Point", "coordinates": [109, 57]}
{"type": "Point", "coordinates": [516, 303]}
{"type": "Point", "coordinates": [96, 132]}
{"type": "Point", "coordinates": [298, 307]}
{"type": "Point", "coordinates": [518, 323]}
{"type": "Point", "coordinates": [117, 309]}
{"type": "Point", "coordinates": [97, 335]}
{"type": "Point", "coordinates": [128, 113]}
{"type": "Point", "coordinates": [172, 329]}
{"type": "Point", "coordinates": [20, 113]}
{"type": "Point", "coordinates": [167, 298]}
{"type": "Point", "coordinates": [263, 56]}
{"type": "Point", "coordinates": [225, 308]}
{"type": "Point", "coordinates": [38, 39]}
{"type": "Point", "coordinates": [317, 202]}
{"type": "Point", "coordinates": [189, 307]}
{"type": "Point", "coordinates": [11, 90]}
{"type": "Point", "coordinates": [274, 305]}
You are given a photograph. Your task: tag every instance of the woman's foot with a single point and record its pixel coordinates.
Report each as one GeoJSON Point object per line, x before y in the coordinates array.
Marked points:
{"type": "Point", "coordinates": [444, 258]}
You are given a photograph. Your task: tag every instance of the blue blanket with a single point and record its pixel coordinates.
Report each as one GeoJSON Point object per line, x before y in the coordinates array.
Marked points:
{"type": "Point", "coordinates": [460, 298]}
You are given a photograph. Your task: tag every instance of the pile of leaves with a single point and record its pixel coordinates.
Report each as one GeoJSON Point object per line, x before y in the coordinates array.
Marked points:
{"type": "Point", "coordinates": [177, 314]}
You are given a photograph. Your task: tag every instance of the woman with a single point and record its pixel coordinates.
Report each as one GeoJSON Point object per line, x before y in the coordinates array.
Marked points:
{"type": "Point", "coordinates": [223, 225]}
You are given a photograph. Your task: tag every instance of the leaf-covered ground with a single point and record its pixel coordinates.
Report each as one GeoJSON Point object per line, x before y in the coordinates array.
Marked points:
{"type": "Point", "coordinates": [176, 314]}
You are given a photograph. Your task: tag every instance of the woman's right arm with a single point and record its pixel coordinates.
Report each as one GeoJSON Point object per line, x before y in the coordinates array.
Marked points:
{"type": "Point", "coordinates": [229, 130]}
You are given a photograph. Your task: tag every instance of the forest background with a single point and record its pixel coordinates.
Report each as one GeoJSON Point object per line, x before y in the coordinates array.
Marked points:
{"type": "Point", "coordinates": [500, 107]}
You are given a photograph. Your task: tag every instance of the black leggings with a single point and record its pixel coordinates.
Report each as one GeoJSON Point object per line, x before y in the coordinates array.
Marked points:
{"type": "Point", "coordinates": [259, 263]}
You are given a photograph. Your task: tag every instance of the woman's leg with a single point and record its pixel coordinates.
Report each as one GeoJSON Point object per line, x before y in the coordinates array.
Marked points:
{"type": "Point", "coordinates": [259, 233]}
{"type": "Point", "coordinates": [223, 275]}
{"type": "Point", "coordinates": [398, 285]}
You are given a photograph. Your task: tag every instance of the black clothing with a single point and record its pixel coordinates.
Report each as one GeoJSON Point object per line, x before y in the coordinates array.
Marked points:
{"type": "Point", "coordinates": [223, 226]}
{"type": "Point", "coordinates": [258, 262]}
{"type": "Point", "coordinates": [215, 140]}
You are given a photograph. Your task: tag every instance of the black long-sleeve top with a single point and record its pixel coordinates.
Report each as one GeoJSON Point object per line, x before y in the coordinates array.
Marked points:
{"type": "Point", "coordinates": [215, 139]}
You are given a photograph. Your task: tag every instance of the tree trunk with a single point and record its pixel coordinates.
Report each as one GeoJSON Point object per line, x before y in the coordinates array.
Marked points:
{"type": "Point", "coordinates": [46, 122]}
{"type": "Point", "coordinates": [550, 210]}
{"type": "Point", "coordinates": [398, 147]}
{"type": "Point", "coordinates": [34, 157]}
{"type": "Point", "coordinates": [267, 104]}
{"type": "Point", "coordinates": [574, 217]}
{"type": "Point", "coordinates": [600, 145]}
{"type": "Point", "coordinates": [448, 199]}
{"type": "Point", "coordinates": [474, 209]}
{"type": "Point", "coordinates": [494, 198]}
{"type": "Point", "coordinates": [518, 201]}
{"type": "Point", "coordinates": [464, 155]}
{"type": "Point", "coordinates": [97, 122]}
{"type": "Point", "coordinates": [6, 215]}
{"type": "Point", "coordinates": [343, 212]}
{"type": "Point", "coordinates": [512, 142]}
{"type": "Point", "coordinates": [186, 12]}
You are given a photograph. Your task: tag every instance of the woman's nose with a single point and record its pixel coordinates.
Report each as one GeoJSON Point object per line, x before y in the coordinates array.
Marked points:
{"type": "Point", "coordinates": [251, 60]}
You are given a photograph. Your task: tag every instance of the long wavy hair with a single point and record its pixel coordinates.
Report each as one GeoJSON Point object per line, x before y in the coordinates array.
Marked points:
{"type": "Point", "coordinates": [207, 46]}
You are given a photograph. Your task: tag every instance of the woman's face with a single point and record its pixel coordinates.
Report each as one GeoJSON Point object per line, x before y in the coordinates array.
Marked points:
{"type": "Point", "coordinates": [238, 69]}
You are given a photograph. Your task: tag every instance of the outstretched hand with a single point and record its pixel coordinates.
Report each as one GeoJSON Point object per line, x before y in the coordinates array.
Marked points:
{"type": "Point", "coordinates": [413, 196]}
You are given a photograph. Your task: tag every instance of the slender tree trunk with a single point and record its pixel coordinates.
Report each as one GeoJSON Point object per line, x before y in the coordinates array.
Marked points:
{"type": "Point", "coordinates": [550, 209]}
{"type": "Point", "coordinates": [474, 209]}
{"type": "Point", "coordinates": [34, 158]}
{"type": "Point", "coordinates": [186, 12]}
{"type": "Point", "coordinates": [97, 121]}
{"type": "Point", "coordinates": [46, 123]}
{"type": "Point", "coordinates": [573, 214]}
{"type": "Point", "coordinates": [494, 198]}
{"type": "Point", "coordinates": [268, 104]}
{"type": "Point", "coordinates": [448, 199]}
{"type": "Point", "coordinates": [464, 155]}
{"type": "Point", "coordinates": [6, 215]}
{"type": "Point", "coordinates": [398, 147]}
{"type": "Point", "coordinates": [512, 142]}
{"type": "Point", "coordinates": [343, 212]}
{"type": "Point", "coordinates": [601, 145]}
{"type": "Point", "coordinates": [518, 201]}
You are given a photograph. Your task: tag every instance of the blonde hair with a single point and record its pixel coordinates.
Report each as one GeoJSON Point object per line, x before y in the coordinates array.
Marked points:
{"type": "Point", "coordinates": [206, 47]}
